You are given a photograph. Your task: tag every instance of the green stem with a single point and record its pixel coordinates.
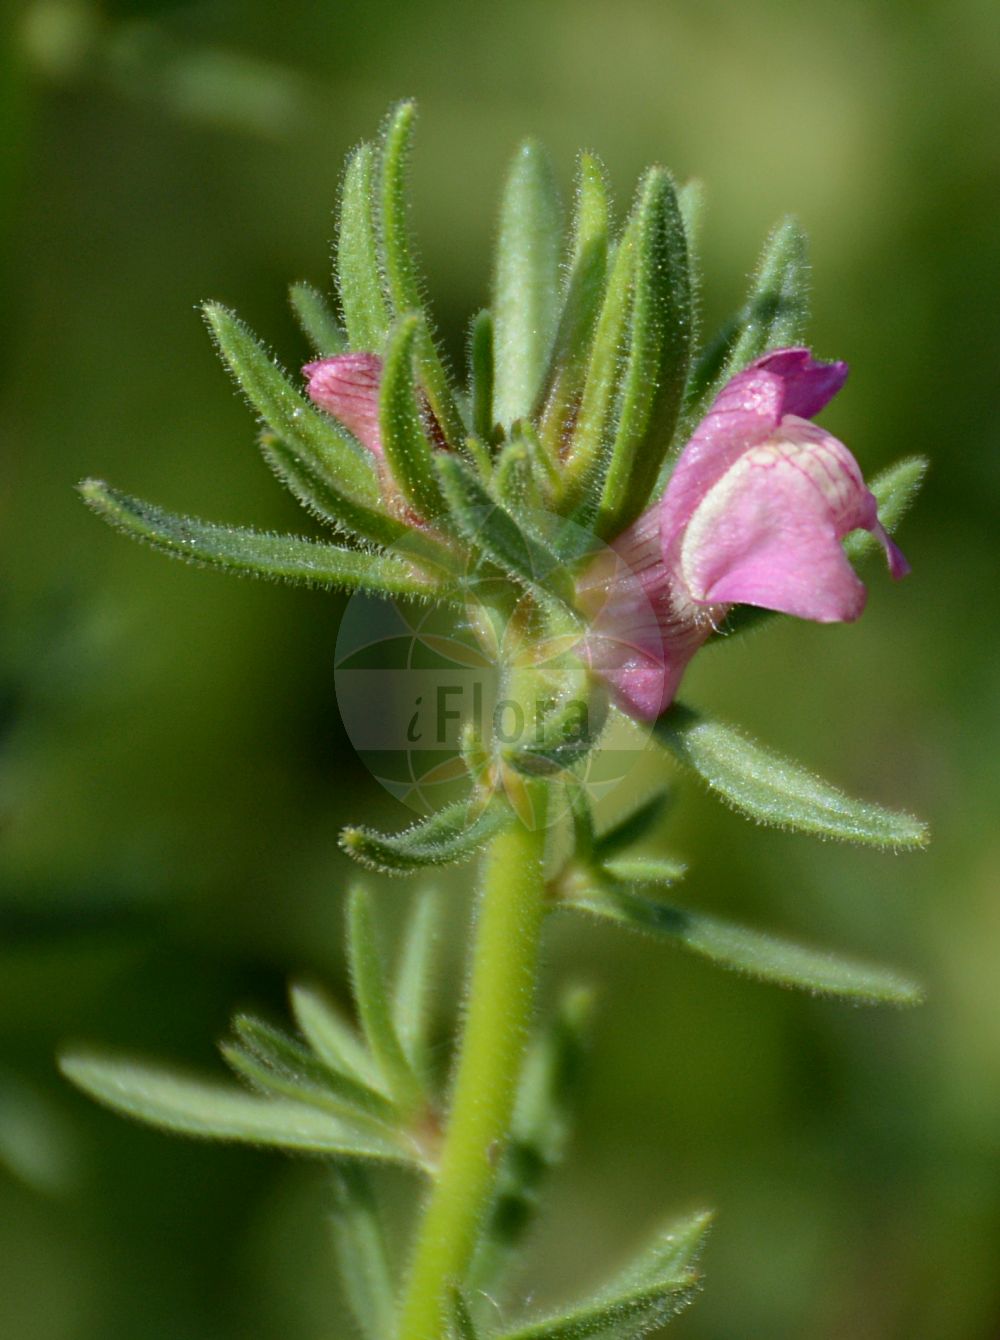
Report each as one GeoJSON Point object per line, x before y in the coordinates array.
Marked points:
{"type": "Point", "coordinates": [501, 998]}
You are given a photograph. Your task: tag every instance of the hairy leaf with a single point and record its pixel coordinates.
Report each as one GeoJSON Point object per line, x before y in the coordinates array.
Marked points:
{"type": "Point", "coordinates": [754, 953]}
{"type": "Point", "coordinates": [359, 273]}
{"type": "Point", "coordinates": [481, 375]}
{"type": "Point", "coordinates": [659, 355]}
{"type": "Point", "coordinates": [404, 437]}
{"type": "Point", "coordinates": [213, 1111]}
{"type": "Point", "coordinates": [632, 827]}
{"type": "Point", "coordinates": [315, 317]}
{"type": "Point", "coordinates": [361, 1253]}
{"type": "Point", "coordinates": [253, 553]}
{"type": "Point", "coordinates": [768, 788]}
{"type": "Point", "coordinates": [452, 834]}
{"type": "Point", "coordinates": [414, 981]}
{"type": "Point", "coordinates": [526, 284]}
{"type": "Point", "coordinates": [330, 1036]}
{"type": "Point", "coordinates": [371, 991]}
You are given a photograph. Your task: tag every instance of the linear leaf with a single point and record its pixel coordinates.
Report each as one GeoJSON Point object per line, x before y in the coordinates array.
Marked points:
{"type": "Point", "coordinates": [288, 1059]}
{"type": "Point", "coordinates": [371, 992]}
{"type": "Point", "coordinates": [592, 432]}
{"type": "Point", "coordinates": [624, 1317]}
{"type": "Point", "coordinates": [526, 284]}
{"type": "Point", "coordinates": [645, 869]}
{"type": "Point", "coordinates": [462, 1325]}
{"type": "Point", "coordinates": [411, 996]}
{"type": "Point", "coordinates": [401, 272]}
{"type": "Point", "coordinates": [316, 319]}
{"type": "Point", "coordinates": [317, 439]}
{"type": "Point", "coordinates": [521, 553]}
{"type": "Point", "coordinates": [360, 1245]}
{"type": "Point", "coordinates": [774, 315]}
{"type": "Point", "coordinates": [765, 957]}
{"type": "Point", "coordinates": [452, 834]}
{"type": "Point", "coordinates": [253, 553]}
{"type": "Point", "coordinates": [632, 827]}
{"type": "Point", "coordinates": [647, 1293]}
{"type": "Point", "coordinates": [770, 789]}
{"type": "Point", "coordinates": [359, 273]}
{"type": "Point", "coordinates": [564, 735]}
{"type": "Point", "coordinates": [212, 1111]}
{"type": "Point", "coordinates": [331, 1037]}
{"type": "Point", "coordinates": [659, 355]}
{"type": "Point", "coordinates": [481, 370]}
{"type": "Point", "coordinates": [312, 490]}
{"type": "Point", "coordinates": [404, 436]}
{"type": "Point", "coordinates": [584, 291]}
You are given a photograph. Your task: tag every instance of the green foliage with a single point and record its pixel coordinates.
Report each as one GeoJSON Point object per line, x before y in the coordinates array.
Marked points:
{"type": "Point", "coordinates": [319, 325]}
{"type": "Point", "coordinates": [769, 789]}
{"type": "Point", "coordinates": [452, 834]}
{"type": "Point", "coordinates": [645, 1295]}
{"type": "Point", "coordinates": [362, 1256]}
{"type": "Point", "coordinates": [526, 284]}
{"type": "Point", "coordinates": [208, 1110]}
{"type": "Point", "coordinates": [359, 272]}
{"type": "Point", "coordinates": [404, 438]}
{"type": "Point", "coordinates": [659, 352]}
{"type": "Point", "coordinates": [254, 554]}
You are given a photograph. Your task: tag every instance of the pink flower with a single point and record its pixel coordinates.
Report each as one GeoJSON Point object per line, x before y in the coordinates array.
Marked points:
{"type": "Point", "coordinates": [346, 386]}
{"type": "Point", "coordinates": [754, 514]}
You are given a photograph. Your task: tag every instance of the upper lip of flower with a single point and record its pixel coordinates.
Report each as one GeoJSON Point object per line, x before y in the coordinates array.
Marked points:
{"type": "Point", "coordinates": [754, 513]}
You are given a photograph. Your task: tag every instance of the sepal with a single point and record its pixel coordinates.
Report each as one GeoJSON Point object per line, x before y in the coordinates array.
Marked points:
{"type": "Point", "coordinates": [316, 320]}
{"type": "Point", "coordinates": [359, 271]}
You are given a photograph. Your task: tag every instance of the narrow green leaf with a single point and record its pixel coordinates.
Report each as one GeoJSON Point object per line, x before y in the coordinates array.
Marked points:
{"type": "Point", "coordinates": [362, 1255]}
{"type": "Point", "coordinates": [645, 869]}
{"type": "Point", "coordinates": [895, 491]}
{"type": "Point", "coordinates": [404, 435]}
{"type": "Point", "coordinates": [632, 827]}
{"type": "Point", "coordinates": [289, 1060]}
{"type": "Point", "coordinates": [521, 553]}
{"type": "Point", "coordinates": [526, 284]}
{"type": "Point", "coordinates": [481, 370]}
{"type": "Point", "coordinates": [774, 315]}
{"type": "Point", "coordinates": [331, 1037]}
{"type": "Point", "coordinates": [546, 1101]}
{"type": "Point", "coordinates": [583, 821]}
{"type": "Point", "coordinates": [374, 1003]}
{"type": "Point", "coordinates": [253, 553]}
{"type": "Point", "coordinates": [586, 461]}
{"type": "Point", "coordinates": [764, 957]}
{"type": "Point", "coordinates": [315, 317]}
{"type": "Point", "coordinates": [414, 981]}
{"type": "Point", "coordinates": [401, 272]}
{"type": "Point", "coordinates": [646, 1294]}
{"type": "Point", "coordinates": [624, 1317]}
{"type": "Point", "coordinates": [454, 833]}
{"type": "Point", "coordinates": [359, 274]}
{"type": "Point", "coordinates": [317, 439]}
{"type": "Point", "coordinates": [212, 1111]}
{"type": "Point", "coordinates": [313, 491]}
{"type": "Point", "coordinates": [768, 788]}
{"type": "Point", "coordinates": [691, 202]}
{"type": "Point", "coordinates": [588, 271]}
{"type": "Point", "coordinates": [565, 734]}
{"type": "Point", "coordinates": [659, 355]}
{"type": "Point", "coordinates": [462, 1325]}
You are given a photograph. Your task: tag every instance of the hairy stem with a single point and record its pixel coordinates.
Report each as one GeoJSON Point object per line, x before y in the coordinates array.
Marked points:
{"type": "Point", "coordinates": [501, 997]}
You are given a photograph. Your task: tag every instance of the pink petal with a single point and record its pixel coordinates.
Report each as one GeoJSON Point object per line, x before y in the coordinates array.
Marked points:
{"type": "Point", "coordinates": [346, 386]}
{"type": "Point", "coordinates": [746, 411]}
{"type": "Point", "coordinates": [768, 533]}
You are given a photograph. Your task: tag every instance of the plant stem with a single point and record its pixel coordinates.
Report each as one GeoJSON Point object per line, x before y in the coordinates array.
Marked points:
{"type": "Point", "coordinates": [500, 1002]}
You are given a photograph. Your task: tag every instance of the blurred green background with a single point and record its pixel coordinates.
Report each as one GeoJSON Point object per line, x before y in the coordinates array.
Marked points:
{"type": "Point", "coordinates": [173, 770]}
